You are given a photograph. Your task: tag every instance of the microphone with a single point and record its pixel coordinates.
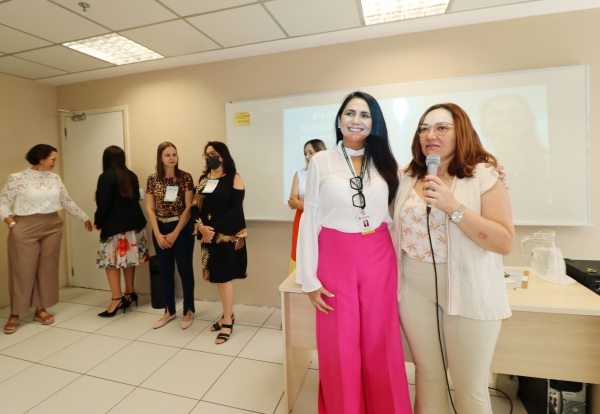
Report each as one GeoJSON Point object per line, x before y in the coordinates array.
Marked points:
{"type": "Point", "coordinates": [432, 162]}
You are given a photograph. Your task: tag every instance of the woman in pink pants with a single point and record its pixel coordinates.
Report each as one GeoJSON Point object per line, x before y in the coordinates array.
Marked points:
{"type": "Point", "coordinates": [346, 262]}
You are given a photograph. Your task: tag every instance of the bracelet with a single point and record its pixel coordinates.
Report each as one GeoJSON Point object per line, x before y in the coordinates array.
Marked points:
{"type": "Point", "coordinates": [199, 222]}
{"type": "Point", "coordinates": [11, 225]}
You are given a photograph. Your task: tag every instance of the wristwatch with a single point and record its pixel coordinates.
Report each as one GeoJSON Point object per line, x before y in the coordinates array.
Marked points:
{"type": "Point", "coordinates": [11, 225]}
{"type": "Point", "coordinates": [459, 214]}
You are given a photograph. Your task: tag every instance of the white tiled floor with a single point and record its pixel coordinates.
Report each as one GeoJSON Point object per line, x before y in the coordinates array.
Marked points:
{"type": "Point", "coordinates": [87, 364]}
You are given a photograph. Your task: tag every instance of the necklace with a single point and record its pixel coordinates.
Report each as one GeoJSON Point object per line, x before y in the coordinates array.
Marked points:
{"type": "Point", "coordinates": [446, 175]}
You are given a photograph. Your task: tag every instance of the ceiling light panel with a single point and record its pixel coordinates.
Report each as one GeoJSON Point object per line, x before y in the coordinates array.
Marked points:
{"type": "Point", "coordinates": [381, 11]}
{"type": "Point", "coordinates": [114, 48]}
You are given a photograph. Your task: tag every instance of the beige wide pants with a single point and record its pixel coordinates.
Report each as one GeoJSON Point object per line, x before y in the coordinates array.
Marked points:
{"type": "Point", "coordinates": [468, 345]}
{"type": "Point", "coordinates": [33, 258]}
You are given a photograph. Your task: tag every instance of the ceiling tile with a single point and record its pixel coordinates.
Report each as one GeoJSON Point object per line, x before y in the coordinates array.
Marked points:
{"type": "Point", "coordinates": [12, 40]}
{"type": "Point", "coordinates": [122, 14]}
{"type": "Point", "coordinates": [171, 39]}
{"type": "Point", "coordinates": [47, 20]}
{"type": "Point", "coordinates": [25, 69]}
{"type": "Point", "coordinates": [305, 17]}
{"type": "Point", "coordinates": [462, 5]}
{"type": "Point", "coordinates": [187, 7]}
{"type": "Point", "coordinates": [241, 26]}
{"type": "Point", "coordinates": [63, 58]}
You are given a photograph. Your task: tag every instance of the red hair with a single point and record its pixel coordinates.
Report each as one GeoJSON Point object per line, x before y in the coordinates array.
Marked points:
{"type": "Point", "coordinates": [468, 153]}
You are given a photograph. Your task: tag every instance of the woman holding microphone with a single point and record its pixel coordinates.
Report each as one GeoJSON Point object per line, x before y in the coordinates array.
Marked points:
{"type": "Point", "coordinates": [450, 232]}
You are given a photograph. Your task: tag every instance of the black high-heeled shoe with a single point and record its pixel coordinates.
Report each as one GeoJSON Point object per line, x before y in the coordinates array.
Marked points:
{"type": "Point", "coordinates": [121, 305]}
{"type": "Point", "coordinates": [133, 297]}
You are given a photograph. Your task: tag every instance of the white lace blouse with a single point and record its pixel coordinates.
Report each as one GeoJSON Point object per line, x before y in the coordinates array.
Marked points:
{"type": "Point", "coordinates": [36, 192]}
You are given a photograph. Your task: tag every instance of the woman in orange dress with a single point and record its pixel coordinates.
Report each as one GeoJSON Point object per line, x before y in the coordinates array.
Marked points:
{"type": "Point", "coordinates": [296, 201]}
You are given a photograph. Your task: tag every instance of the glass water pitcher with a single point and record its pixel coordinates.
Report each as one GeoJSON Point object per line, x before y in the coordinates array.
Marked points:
{"type": "Point", "coordinates": [543, 242]}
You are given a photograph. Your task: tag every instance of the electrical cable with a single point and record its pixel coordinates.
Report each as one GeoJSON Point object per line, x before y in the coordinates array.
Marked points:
{"type": "Point", "coordinates": [437, 315]}
{"type": "Point", "coordinates": [509, 400]}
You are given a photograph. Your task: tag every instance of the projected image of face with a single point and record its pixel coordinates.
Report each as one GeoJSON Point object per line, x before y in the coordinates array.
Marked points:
{"type": "Point", "coordinates": [507, 117]}
{"type": "Point", "coordinates": [355, 123]}
{"type": "Point", "coordinates": [439, 139]}
{"type": "Point", "coordinates": [509, 124]}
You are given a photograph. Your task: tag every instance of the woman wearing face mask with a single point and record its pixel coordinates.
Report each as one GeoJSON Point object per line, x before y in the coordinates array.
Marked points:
{"type": "Point", "coordinates": [296, 201]}
{"type": "Point", "coordinates": [221, 228]}
{"type": "Point", "coordinates": [169, 197]}
{"type": "Point", "coordinates": [346, 263]}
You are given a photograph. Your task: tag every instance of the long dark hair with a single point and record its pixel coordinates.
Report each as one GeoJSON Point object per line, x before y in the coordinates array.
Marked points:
{"type": "Point", "coordinates": [469, 150]}
{"type": "Point", "coordinates": [114, 157]}
{"type": "Point", "coordinates": [221, 148]}
{"type": "Point", "coordinates": [160, 167]}
{"type": "Point", "coordinates": [377, 146]}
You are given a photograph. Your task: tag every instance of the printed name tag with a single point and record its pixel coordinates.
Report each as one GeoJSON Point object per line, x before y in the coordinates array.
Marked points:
{"type": "Point", "coordinates": [210, 186]}
{"type": "Point", "coordinates": [364, 224]}
{"type": "Point", "coordinates": [171, 194]}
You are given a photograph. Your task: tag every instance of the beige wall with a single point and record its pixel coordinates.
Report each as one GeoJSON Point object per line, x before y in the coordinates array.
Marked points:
{"type": "Point", "coordinates": [27, 117]}
{"type": "Point", "coordinates": [186, 105]}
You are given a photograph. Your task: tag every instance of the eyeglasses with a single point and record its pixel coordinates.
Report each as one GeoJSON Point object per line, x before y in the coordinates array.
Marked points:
{"type": "Point", "coordinates": [440, 129]}
{"type": "Point", "coordinates": [210, 154]}
{"type": "Point", "coordinates": [358, 199]}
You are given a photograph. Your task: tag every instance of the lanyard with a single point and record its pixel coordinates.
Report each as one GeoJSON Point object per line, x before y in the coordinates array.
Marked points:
{"type": "Point", "coordinates": [362, 172]}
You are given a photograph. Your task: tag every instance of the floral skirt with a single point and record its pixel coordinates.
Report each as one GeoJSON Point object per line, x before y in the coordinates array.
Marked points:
{"type": "Point", "coordinates": [123, 250]}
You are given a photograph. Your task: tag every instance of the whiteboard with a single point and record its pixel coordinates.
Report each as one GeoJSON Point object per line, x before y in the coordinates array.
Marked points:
{"type": "Point", "coordinates": [535, 122]}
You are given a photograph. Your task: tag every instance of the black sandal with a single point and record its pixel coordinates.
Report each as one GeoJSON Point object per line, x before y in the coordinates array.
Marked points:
{"type": "Point", "coordinates": [225, 336]}
{"type": "Point", "coordinates": [216, 325]}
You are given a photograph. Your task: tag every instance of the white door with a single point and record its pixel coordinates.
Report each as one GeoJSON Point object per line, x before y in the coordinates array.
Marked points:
{"type": "Point", "coordinates": [83, 146]}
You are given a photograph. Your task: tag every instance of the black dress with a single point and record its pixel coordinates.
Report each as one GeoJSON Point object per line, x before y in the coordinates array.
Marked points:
{"type": "Point", "coordinates": [225, 258]}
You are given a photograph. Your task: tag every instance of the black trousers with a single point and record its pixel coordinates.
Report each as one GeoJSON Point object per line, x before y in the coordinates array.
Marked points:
{"type": "Point", "coordinates": [181, 253]}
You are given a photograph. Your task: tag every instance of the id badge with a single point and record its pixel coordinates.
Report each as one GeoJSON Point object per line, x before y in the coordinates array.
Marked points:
{"type": "Point", "coordinates": [171, 194]}
{"type": "Point", "coordinates": [364, 224]}
{"type": "Point", "coordinates": [210, 186]}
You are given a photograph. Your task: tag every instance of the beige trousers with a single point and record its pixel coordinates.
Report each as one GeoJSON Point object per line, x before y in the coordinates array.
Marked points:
{"type": "Point", "coordinates": [468, 345]}
{"type": "Point", "coordinates": [33, 258]}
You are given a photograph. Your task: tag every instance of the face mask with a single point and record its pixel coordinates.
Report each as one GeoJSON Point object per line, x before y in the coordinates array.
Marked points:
{"type": "Point", "coordinates": [213, 162]}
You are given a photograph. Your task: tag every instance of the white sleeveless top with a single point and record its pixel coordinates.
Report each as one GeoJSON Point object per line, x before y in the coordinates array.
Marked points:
{"type": "Point", "coordinates": [302, 182]}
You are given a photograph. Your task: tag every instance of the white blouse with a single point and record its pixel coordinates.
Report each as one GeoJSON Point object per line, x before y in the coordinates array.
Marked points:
{"type": "Point", "coordinates": [301, 183]}
{"type": "Point", "coordinates": [36, 192]}
{"type": "Point", "coordinates": [328, 203]}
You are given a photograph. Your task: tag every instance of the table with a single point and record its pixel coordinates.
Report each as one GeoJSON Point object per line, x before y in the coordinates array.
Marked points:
{"type": "Point", "coordinates": [554, 333]}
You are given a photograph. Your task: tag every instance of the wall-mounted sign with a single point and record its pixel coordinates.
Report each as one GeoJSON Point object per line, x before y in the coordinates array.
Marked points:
{"type": "Point", "coordinates": [241, 118]}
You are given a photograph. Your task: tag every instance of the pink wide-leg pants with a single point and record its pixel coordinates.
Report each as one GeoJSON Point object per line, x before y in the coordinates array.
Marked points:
{"type": "Point", "coordinates": [361, 363]}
